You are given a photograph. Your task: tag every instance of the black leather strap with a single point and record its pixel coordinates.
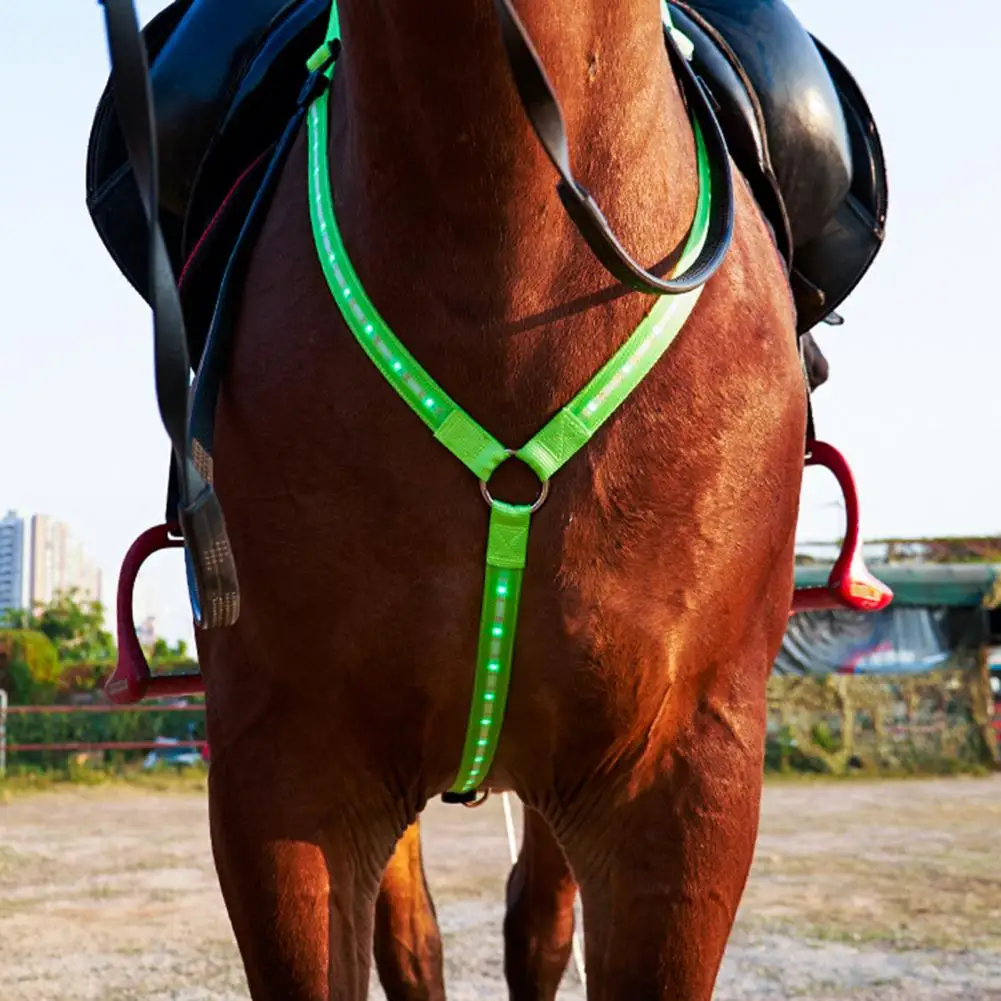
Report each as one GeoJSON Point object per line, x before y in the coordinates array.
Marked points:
{"type": "Point", "coordinates": [543, 111]}
{"type": "Point", "coordinates": [211, 569]}
{"type": "Point", "coordinates": [134, 104]}
{"type": "Point", "coordinates": [216, 355]}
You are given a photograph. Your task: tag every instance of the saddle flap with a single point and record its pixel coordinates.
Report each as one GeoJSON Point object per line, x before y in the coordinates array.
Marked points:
{"type": "Point", "coordinates": [841, 254]}
{"type": "Point", "coordinates": [112, 196]}
{"type": "Point", "coordinates": [210, 62]}
{"type": "Point", "coordinates": [740, 117]}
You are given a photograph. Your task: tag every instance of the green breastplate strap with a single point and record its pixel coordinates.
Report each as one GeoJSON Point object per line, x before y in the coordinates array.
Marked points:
{"type": "Point", "coordinates": [553, 446]}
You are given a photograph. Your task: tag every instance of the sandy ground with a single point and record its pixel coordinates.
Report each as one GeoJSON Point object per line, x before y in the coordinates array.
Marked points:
{"type": "Point", "coordinates": [859, 891]}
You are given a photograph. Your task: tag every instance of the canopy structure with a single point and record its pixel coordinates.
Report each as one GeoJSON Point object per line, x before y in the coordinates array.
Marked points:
{"type": "Point", "coordinates": [925, 585]}
{"type": "Point", "coordinates": [940, 612]}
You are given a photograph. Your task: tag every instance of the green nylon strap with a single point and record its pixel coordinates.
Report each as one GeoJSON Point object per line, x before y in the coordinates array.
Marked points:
{"type": "Point", "coordinates": [475, 447]}
{"type": "Point", "coordinates": [507, 547]}
{"type": "Point", "coordinates": [325, 53]}
{"type": "Point", "coordinates": [577, 422]}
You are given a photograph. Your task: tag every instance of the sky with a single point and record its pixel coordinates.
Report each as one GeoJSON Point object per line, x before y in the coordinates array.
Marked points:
{"type": "Point", "coordinates": [912, 394]}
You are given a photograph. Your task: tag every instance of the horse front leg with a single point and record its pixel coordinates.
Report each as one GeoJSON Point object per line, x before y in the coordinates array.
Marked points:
{"type": "Point", "coordinates": [408, 952]}
{"type": "Point", "coordinates": [299, 880]}
{"type": "Point", "coordinates": [662, 869]}
{"type": "Point", "coordinates": [539, 924]}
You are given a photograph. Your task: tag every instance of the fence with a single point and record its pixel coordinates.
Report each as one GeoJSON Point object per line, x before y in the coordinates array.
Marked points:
{"type": "Point", "coordinates": [35, 731]}
{"type": "Point", "coordinates": [3, 732]}
{"type": "Point", "coordinates": [935, 722]}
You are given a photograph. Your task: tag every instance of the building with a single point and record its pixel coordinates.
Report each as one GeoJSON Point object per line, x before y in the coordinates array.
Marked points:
{"type": "Point", "coordinates": [58, 563]}
{"type": "Point", "coordinates": [146, 632]}
{"type": "Point", "coordinates": [14, 562]}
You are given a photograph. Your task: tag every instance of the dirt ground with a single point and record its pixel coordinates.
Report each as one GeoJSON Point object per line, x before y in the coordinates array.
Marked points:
{"type": "Point", "coordinates": [862, 891]}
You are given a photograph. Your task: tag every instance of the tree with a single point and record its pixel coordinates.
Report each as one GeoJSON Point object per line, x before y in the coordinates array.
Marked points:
{"type": "Point", "coordinates": [74, 625]}
{"type": "Point", "coordinates": [29, 666]}
{"type": "Point", "coordinates": [17, 618]}
{"type": "Point", "coordinates": [162, 650]}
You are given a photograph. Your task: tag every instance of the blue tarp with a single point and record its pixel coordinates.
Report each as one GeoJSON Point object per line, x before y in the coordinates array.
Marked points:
{"type": "Point", "coordinates": [909, 637]}
{"type": "Point", "coordinates": [895, 641]}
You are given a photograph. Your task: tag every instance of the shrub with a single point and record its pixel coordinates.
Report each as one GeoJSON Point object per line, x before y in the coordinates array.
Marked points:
{"type": "Point", "coordinates": [29, 666]}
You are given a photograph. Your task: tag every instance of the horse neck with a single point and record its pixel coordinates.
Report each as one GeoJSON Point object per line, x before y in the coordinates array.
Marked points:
{"type": "Point", "coordinates": [435, 142]}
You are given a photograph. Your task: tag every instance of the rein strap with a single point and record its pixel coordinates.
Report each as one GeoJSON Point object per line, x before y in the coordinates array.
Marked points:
{"type": "Point", "coordinates": [541, 107]}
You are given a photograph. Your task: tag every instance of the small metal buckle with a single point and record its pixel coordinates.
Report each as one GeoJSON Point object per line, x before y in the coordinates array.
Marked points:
{"type": "Point", "coordinates": [482, 796]}
{"type": "Point", "coordinates": [539, 501]}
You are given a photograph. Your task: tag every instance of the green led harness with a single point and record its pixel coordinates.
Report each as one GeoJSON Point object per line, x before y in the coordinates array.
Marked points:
{"type": "Point", "coordinates": [476, 448]}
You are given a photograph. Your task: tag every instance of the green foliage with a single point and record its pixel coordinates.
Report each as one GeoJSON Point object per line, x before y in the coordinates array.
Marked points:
{"type": "Point", "coordinates": [79, 679]}
{"type": "Point", "coordinates": [114, 726]}
{"type": "Point", "coordinates": [74, 625]}
{"type": "Point", "coordinates": [928, 724]}
{"type": "Point", "coordinates": [29, 666]}
{"type": "Point", "coordinates": [163, 652]}
{"type": "Point", "coordinates": [29, 779]}
{"type": "Point", "coordinates": [824, 738]}
{"type": "Point", "coordinates": [77, 628]}
{"type": "Point", "coordinates": [62, 649]}
{"type": "Point", "coordinates": [16, 618]}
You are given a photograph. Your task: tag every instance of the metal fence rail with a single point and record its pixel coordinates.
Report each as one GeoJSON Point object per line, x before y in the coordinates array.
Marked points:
{"type": "Point", "coordinates": [143, 708]}
{"type": "Point", "coordinates": [84, 746]}
{"type": "Point", "coordinates": [110, 745]}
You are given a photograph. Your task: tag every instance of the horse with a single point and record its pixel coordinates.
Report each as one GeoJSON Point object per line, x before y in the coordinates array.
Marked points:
{"type": "Point", "coordinates": [660, 567]}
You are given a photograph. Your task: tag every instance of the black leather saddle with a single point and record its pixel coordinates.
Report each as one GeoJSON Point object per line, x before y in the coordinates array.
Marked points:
{"type": "Point", "coordinates": [226, 76]}
{"type": "Point", "coordinates": [800, 131]}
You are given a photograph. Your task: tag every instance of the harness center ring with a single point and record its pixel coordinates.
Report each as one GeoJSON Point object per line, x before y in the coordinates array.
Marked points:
{"type": "Point", "coordinates": [537, 503]}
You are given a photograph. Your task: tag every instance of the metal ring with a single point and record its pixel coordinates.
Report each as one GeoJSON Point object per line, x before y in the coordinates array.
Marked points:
{"type": "Point", "coordinates": [539, 501]}
{"type": "Point", "coordinates": [484, 795]}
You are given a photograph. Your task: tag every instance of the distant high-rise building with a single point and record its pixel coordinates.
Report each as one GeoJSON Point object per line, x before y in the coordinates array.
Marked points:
{"type": "Point", "coordinates": [14, 563]}
{"type": "Point", "coordinates": [146, 632]}
{"type": "Point", "coordinates": [40, 559]}
{"type": "Point", "coordinates": [59, 564]}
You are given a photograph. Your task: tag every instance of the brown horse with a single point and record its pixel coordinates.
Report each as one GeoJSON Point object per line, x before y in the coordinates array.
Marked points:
{"type": "Point", "coordinates": [660, 571]}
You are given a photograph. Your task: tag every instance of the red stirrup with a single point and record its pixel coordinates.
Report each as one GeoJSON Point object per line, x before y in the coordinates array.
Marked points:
{"type": "Point", "coordinates": [850, 585]}
{"type": "Point", "coordinates": [132, 679]}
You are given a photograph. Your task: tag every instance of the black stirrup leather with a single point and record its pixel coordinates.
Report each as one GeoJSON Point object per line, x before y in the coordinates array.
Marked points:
{"type": "Point", "coordinates": [543, 111]}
